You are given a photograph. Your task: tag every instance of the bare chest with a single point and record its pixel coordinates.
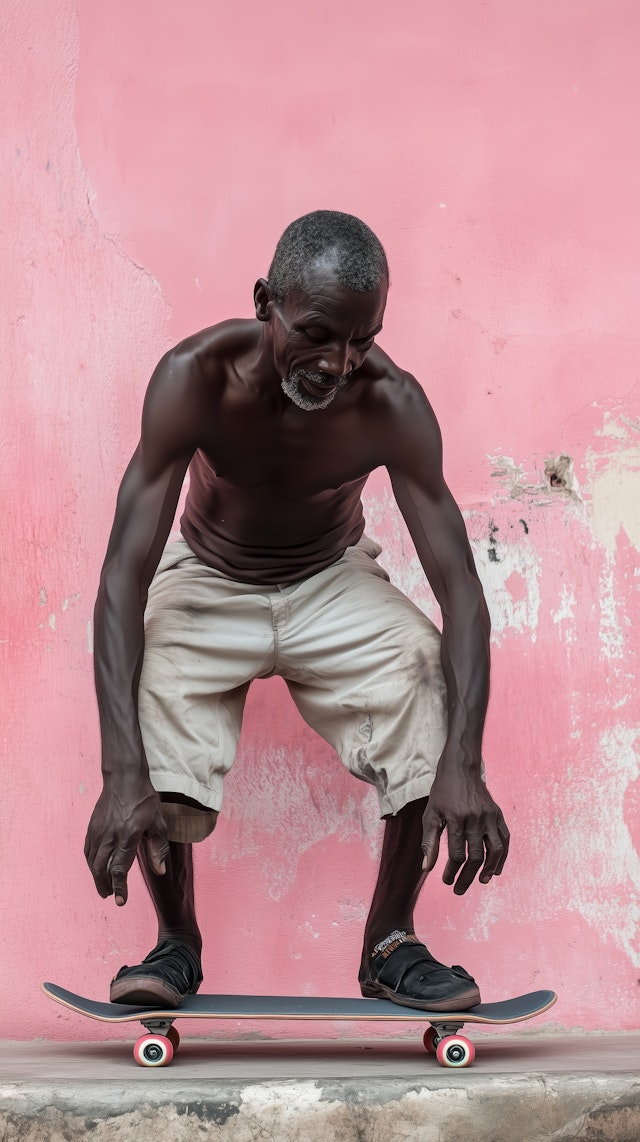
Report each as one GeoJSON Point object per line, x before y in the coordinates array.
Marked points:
{"type": "Point", "coordinates": [302, 456]}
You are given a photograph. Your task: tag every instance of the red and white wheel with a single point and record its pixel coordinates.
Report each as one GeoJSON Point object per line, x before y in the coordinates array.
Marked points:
{"type": "Point", "coordinates": [429, 1039]}
{"type": "Point", "coordinates": [153, 1051]}
{"type": "Point", "coordinates": [455, 1051]}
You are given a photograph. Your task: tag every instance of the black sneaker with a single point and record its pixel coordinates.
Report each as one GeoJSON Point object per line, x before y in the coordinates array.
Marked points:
{"type": "Point", "coordinates": [165, 977]}
{"type": "Point", "coordinates": [403, 970]}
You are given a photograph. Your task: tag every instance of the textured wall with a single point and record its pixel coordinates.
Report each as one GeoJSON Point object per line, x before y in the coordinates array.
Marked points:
{"type": "Point", "coordinates": [151, 156]}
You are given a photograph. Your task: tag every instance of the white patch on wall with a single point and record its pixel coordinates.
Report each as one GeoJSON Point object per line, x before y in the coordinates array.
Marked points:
{"type": "Point", "coordinates": [509, 613]}
{"type": "Point", "coordinates": [565, 613]}
{"type": "Point", "coordinates": [604, 838]}
{"type": "Point", "coordinates": [615, 485]}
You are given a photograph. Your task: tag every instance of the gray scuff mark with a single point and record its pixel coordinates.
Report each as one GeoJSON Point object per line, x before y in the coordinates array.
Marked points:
{"type": "Point", "coordinates": [366, 728]}
{"type": "Point", "coordinates": [492, 550]}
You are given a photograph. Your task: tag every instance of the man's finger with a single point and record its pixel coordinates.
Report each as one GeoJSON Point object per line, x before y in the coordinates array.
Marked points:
{"type": "Point", "coordinates": [99, 869]}
{"type": "Point", "coordinates": [432, 831]}
{"type": "Point", "coordinates": [497, 852]}
{"type": "Point", "coordinates": [457, 853]}
{"type": "Point", "coordinates": [494, 849]}
{"type": "Point", "coordinates": [470, 870]}
{"type": "Point", "coordinates": [431, 846]}
{"type": "Point", "coordinates": [118, 869]}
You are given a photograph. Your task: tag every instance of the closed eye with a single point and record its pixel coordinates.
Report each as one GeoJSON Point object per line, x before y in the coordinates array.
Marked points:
{"type": "Point", "coordinates": [316, 334]}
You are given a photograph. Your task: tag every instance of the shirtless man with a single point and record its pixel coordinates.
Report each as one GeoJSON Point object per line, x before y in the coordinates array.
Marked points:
{"type": "Point", "coordinates": [274, 575]}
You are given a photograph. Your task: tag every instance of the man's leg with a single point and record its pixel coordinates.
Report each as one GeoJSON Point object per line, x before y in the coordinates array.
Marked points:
{"type": "Point", "coordinates": [206, 637]}
{"type": "Point", "coordinates": [400, 876]}
{"type": "Point", "coordinates": [173, 969]}
{"type": "Point", "coordinates": [363, 665]}
{"type": "Point", "coordinates": [173, 895]}
{"type": "Point", "coordinates": [395, 964]}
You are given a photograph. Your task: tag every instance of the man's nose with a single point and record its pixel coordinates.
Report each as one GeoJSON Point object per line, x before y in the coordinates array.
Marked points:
{"type": "Point", "coordinates": [336, 360]}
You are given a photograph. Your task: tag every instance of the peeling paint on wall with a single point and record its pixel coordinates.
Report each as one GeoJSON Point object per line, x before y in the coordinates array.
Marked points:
{"type": "Point", "coordinates": [613, 465]}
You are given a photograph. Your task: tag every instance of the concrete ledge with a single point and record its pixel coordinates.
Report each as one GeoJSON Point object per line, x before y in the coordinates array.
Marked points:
{"type": "Point", "coordinates": [520, 1090]}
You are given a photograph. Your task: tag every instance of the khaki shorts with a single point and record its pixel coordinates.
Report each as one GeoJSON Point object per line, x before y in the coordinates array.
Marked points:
{"type": "Point", "coordinates": [361, 661]}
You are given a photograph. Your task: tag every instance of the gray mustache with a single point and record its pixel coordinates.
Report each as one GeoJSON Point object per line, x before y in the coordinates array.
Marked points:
{"type": "Point", "coordinates": [319, 378]}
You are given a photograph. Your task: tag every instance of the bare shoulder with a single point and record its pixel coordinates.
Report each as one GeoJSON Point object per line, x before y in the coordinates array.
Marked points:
{"type": "Point", "coordinates": [193, 375]}
{"type": "Point", "coordinates": [206, 355]}
{"type": "Point", "coordinates": [401, 409]}
{"type": "Point", "coordinates": [186, 387]}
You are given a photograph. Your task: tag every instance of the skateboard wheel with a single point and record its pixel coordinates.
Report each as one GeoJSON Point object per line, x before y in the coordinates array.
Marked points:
{"type": "Point", "coordinates": [173, 1035]}
{"type": "Point", "coordinates": [430, 1040]}
{"type": "Point", "coordinates": [455, 1051]}
{"type": "Point", "coordinates": [153, 1051]}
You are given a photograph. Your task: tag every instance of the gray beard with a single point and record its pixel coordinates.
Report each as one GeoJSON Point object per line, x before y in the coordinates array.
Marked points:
{"type": "Point", "coordinates": [292, 388]}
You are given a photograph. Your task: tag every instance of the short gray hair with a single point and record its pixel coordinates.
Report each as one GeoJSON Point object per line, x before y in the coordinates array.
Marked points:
{"type": "Point", "coordinates": [342, 240]}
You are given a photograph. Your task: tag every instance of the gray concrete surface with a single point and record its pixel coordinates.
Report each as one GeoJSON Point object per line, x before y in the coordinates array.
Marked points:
{"type": "Point", "coordinates": [522, 1088]}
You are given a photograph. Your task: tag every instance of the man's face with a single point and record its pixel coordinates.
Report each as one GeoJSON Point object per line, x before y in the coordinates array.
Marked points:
{"type": "Point", "coordinates": [322, 335]}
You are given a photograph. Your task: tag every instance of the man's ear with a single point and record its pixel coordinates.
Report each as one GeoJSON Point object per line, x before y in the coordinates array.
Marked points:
{"type": "Point", "coordinates": [262, 298]}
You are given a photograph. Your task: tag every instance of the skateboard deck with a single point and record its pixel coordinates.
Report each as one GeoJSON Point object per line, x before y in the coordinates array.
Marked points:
{"type": "Point", "coordinates": [157, 1047]}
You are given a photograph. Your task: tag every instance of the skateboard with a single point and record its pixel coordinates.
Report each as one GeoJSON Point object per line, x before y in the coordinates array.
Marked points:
{"type": "Point", "coordinates": [158, 1045]}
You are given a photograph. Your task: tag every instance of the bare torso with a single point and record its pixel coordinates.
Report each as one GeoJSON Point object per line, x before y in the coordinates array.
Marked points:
{"type": "Point", "coordinates": [275, 491]}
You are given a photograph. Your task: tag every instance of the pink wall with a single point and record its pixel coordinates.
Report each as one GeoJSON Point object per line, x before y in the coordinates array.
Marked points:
{"type": "Point", "coordinates": [151, 157]}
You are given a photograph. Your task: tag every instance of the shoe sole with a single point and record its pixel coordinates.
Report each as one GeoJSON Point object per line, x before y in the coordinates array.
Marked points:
{"type": "Point", "coordinates": [144, 991]}
{"type": "Point", "coordinates": [461, 1001]}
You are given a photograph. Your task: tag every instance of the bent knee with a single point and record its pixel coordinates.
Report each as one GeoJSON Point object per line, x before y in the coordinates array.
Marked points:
{"type": "Point", "coordinates": [187, 820]}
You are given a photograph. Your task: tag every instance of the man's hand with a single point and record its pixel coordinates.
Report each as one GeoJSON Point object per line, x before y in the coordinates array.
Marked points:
{"type": "Point", "coordinates": [126, 813]}
{"type": "Point", "coordinates": [478, 836]}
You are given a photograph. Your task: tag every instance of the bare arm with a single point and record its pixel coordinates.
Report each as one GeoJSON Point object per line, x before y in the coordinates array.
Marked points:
{"type": "Point", "coordinates": [128, 808]}
{"type": "Point", "coordinates": [478, 837]}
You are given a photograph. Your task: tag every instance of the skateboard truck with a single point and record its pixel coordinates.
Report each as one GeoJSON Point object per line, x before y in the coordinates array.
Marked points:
{"type": "Point", "coordinates": [450, 1049]}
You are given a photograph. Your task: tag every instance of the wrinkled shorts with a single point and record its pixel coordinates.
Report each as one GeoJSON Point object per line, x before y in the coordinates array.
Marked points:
{"type": "Point", "coordinates": [361, 661]}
